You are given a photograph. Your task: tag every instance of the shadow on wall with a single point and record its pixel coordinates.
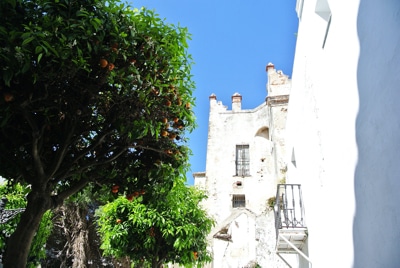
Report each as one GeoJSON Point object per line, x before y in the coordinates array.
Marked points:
{"type": "Point", "coordinates": [376, 229]}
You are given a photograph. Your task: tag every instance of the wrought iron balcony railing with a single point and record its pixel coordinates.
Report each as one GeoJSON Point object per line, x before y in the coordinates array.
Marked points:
{"type": "Point", "coordinates": [289, 209]}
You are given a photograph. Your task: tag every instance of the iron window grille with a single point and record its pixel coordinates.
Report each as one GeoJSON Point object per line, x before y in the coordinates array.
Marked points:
{"type": "Point", "coordinates": [238, 201]}
{"type": "Point", "coordinates": [242, 160]}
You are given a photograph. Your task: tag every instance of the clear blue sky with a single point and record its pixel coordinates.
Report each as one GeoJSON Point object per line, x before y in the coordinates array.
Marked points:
{"type": "Point", "coordinates": [232, 42]}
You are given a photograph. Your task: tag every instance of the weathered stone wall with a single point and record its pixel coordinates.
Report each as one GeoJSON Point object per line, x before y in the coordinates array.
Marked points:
{"type": "Point", "coordinates": [263, 129]}
{"type": "Point", "coordinates": [266, 240]}
{"type": "Point", "coordinates": [226, 130]}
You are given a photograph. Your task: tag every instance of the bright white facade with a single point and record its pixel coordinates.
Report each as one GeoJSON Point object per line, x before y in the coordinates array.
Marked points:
{"type": "Point", "coordinates": [245, 161]}
{"type": "Point", "coordinates": [343, 131]}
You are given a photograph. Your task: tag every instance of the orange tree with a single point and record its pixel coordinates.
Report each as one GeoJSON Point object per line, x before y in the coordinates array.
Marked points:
{"type": "Point", "coordinates": [92, 91]}
{"type": "Point", "coordinates": [166, 225]}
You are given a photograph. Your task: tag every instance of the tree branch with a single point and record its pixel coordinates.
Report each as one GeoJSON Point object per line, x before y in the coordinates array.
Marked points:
{"type": "Point", "coordinates": [79, 185]}
{"type": "Point", "coordinates": [38, 164]}
{"type": "Point", "coordinates": [93, 146]}
{"type": "Point", "coordinates": [91, 164]}
{"type": "Point", "coordinates": [61, 153]}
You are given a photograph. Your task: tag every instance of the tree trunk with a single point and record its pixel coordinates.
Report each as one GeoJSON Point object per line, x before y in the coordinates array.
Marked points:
{"type": "Point", "coordinates": [80, 236]}
{"type": "Point", "coordinates": [19, 243]}
{"type": "Point", "coordinates": [156, 262]}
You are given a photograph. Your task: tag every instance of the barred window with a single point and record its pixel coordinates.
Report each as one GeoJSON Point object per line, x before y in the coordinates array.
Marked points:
{"type": "Point", "coordinates": [242, 160]}
{"type": "Point", "coordinates": [238, 201]}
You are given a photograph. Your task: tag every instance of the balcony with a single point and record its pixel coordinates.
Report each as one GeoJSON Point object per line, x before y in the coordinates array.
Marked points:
{"type": "Point", "coordinates": [291, 231]}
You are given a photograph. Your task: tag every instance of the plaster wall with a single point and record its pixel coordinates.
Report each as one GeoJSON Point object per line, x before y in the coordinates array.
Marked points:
{"type": "Point", "coordinates": [343, 131]}
{"type": "Point", "coordinates": [226, 130]}
{"type": "Point", "coordinates": [262, 128]}
{"type": "Point", "coordinates": [240, 251]}
{"type": "Point", "coordinates": [266, 242]}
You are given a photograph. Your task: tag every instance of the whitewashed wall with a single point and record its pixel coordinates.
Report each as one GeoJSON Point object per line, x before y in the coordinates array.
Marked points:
{"type": "Point", "coordinates": [227, 129]}
{"type": "Point", "coordinates": [262, 128]}
{"type": "Point", "coordinates": [343, 131]}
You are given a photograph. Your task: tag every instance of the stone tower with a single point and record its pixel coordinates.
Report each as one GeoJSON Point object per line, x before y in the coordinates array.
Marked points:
{"type": "Point", "coordinates": [244, 163]}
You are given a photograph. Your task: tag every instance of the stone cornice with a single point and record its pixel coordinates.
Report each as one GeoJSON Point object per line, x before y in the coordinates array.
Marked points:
{"type": "Point", "coordinates": [277, 100]}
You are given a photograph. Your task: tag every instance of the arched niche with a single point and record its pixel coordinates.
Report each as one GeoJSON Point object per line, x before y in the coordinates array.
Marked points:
{"type": "Point", "coordinates": [263, 132]}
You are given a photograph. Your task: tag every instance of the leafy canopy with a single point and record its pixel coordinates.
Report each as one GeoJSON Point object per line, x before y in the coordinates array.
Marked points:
{"type": "Point", "coordinates": [171, 228]}
{"type": "Point", "coordinates": [92, 90]}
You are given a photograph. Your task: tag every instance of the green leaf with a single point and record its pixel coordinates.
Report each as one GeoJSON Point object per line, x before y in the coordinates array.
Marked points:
{"type": "Point", "coordinates": [7, 76]}
{"type": "Point", "coordinates": [39, 57]}
{"type": "Point", "coordinates": [48, 46]}
{"type": "Point", "coordinates": [27, 41]}
{"type": "Point", "coordinates": [38, 49]}
{"type": "Point", "coordinates": [26, 67]}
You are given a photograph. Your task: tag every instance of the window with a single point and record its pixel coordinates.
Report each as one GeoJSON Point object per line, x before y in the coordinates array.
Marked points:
{"type": "Point", "coordinates": [242, 160]}
{"type": "Point", "coordinates": [238, 201]}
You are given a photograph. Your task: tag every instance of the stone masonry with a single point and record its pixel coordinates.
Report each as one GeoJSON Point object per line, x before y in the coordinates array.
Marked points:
{"type": "Point", "coordinates": [238, 190]}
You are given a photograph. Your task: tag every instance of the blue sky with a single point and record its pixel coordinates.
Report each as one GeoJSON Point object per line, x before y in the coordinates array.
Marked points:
{"type": "Point", "coordinates": [232, 42]}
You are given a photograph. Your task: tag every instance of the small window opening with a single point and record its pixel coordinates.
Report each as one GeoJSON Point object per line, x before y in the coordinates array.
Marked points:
{"type": "Point", "coordinates": [238, 201]}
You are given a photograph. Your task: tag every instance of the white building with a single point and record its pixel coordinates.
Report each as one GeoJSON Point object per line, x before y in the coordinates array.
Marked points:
{"type": "Point", "coordinates": [245, 161]}
{"type": "Point", "coordinates": [343, 131]}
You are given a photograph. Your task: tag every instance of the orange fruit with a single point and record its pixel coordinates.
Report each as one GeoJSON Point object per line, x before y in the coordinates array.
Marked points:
{"type": "Point", "coordinates": [103, 63]}
{"type": "Point", "coordinates": [187, 105]}
{"type": "Point", "coordinates": [118, 221]}
{"type": "Point", "coordinates": [176, 119]}
{"type": "Point", "coordinates": [8, 97]}
{"type": "Point", "coordinates": [114, 191]}
{"type": "Point", "coordinates": [111, 66]}
{"type": "Point", "coordinates": [168, 103]}
{"type": "Point", "coordinates": [165, 120]}
{"type": "Point", "coordinates": [164, 133]}
{"type": "Point", "coordinates": [172, 136]}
